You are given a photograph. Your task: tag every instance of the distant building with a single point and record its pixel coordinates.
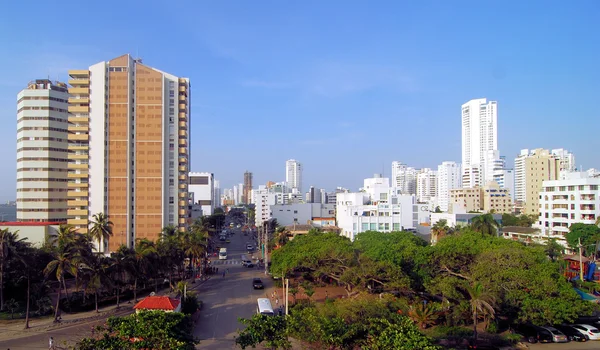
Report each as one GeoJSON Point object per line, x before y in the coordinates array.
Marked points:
{"type": "Point", "coordinates": [301, 213]}
{"type": "Point", "coordinates": [404, 178]}
{"type": "Point", "coordinates": [293, 175]}
{"type": "Point", "coordinates": [566, 161]}
{"type": "Point", "coordinates": [262, 200]}
{"type": "Point", "coordinates": [426, 185]}
{"type": "Point", "coordinates": [576, 199]}
{"type": "Point", "coordinates": [247, 187]}
{"type": "Point", "coordinates": [313, 195]}
{"type": "Point", "coordinates": [37, 233]}
{"type": "Point", "coordinates": [449, 176]}
{"type": "Point", "coordinates": [202, 192]}
{"type": "Point", "coordinates": [482, 199]}
{"type": "Point", "coordinates": [42, 152]}
{"type": "Point", "coordinates": [531, 169]}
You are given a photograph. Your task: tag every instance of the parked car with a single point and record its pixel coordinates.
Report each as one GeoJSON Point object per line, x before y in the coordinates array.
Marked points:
{"type": "Point", "coordinates": [257, 283]}
{"type": "Point", "coordinates": [588, 330]}
{"type": "Point", "coordinates": [532, 334]}
{"type": "Point", "coordinates": [572, 333]}
{"type": "Point", "coordinates": [557, 335]}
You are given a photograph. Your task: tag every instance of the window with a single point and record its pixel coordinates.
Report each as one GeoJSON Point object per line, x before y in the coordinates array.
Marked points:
{"type": "Point", "coordinates": [295, 212]}
{"type": "Point", "coordinates": [396, 226]}
{"type": "Point", "coordinates": [198, 180]}
{"type": "Point", "coordinates": [373, 227]}
{"type": "Point", "coordinates": [383, 196]}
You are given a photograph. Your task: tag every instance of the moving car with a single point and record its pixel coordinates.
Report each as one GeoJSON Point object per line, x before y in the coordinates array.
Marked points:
{"type": "Point", "coordinates": [572, 333]}
{"type": "Point", "coordinates": [228, 241]}
{"type": "Point", "coordinates": [257, 283]}
{"type": "Point", "coordinates": [249, 248]}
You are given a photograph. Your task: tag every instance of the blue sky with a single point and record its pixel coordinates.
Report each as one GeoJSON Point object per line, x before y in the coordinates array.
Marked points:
{"type": "Point", "coordinates": [345, 87]}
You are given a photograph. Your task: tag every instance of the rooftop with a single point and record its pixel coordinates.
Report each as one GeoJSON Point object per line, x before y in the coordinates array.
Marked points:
{"type": "Point", "coordinates": [157, 303]}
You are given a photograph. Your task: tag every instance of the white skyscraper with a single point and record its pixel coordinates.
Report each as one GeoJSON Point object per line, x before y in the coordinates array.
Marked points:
{"type": "Point", "coordinates": [479, 139]}
{"type": "Point", "coordinates": [404, 177]}
{"type": "Point", "coordinates": [448, 178]}
{"type": "Point", "coordinates": [42, 153]}
{"type": "Point", "coordinates": [293, 175]}
{"type": "Point", "coordinates": [567, 161]}
{"type": "Point", "coordinates": [426, 184]}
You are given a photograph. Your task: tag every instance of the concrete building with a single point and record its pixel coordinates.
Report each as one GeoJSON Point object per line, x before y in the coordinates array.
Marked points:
{"type": "Point", "coordinates": [313, 195]}
{"type": "Point", "coordinates": [506, 179]}
{"type": "Point", "coordinates": [404, 177]}
{"type": "Point", "coordinates": [449, 176]}
{"type": "Point", "coordinates": [460, 219]}
{"type": "Point", "coordinates": [247, 187]}
{"type": "Point", "coordinates": [531, 169]}
{"type": "Point", "coordinates": [378, 207]}
{"type": "Point", "coordinates": [301, 213]}
{"type": "Point", "coordinates": [482, 199]}
{"type": "Point", "coordinates": [217, 194]}
{"type": "Point", "coordinates": [576, 199]}
{"type": "Point", "coordinates": [293, 175]}
{"type": "Point", "coordinates": [129, 146]}
{"type": "Point", "coordinates": [567, 161]}
{"type": "Point", "coordinates": [262, 199]}
{"type": "Point", "coordinates": [426, 185]}
{"type": "Point", "coordinates": [202, 192]}
{"type": "Point", "coordinates": [479, 140]}
{"type": "Point", "coordinates": [42, 152]}
{"type": "Point", "coordinates": [37, 233]}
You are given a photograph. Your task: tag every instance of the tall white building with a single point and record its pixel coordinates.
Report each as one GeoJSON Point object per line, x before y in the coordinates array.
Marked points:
{"type": "Point", "coordinates": [448, 178]}
{"type": "Point", "coordinates": [479, 139]}
{"type": "Point", "coordinates": [217, 194]}
{"type": "Point", "coordinates": [567, 161]}
{"type": "Point", "coordinates": [262, 199]}
{"type": "Point", "coordinates": [293, 175]}
{"type": "Point", "coordinates": [426, 184]}
{"type": "Point", "coordinates": [404, 177]}
{"type": "Point", "coordinates": [506, 179]}
{"type": "Point", "coordinates": [42, 152]}
{"type": "Point", "coordinates": [575, 199]}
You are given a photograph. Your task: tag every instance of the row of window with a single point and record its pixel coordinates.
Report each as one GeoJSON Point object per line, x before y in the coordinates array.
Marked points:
{"type": "Point", "coordinates": [29, 179]}
{"type": "Point", "coordinates": [41, 200]}
{"type": "Point", "coordinates": [43, 98]}
{"type": "Point", "coordinates": [40, 128]}
{"type": "Point", "coordinates": [42, 169]}
{"type": "Point", "coordinates": [43, 108]}
{"type": "Point", "coordinates": [40, 139]}
{"type": "Point", "coordinates": [59, 120]}
{"type": "Point", "coordinates": [42, 190]}
{"type": "Point", "coordinates": [41, 159]}
{"type": "Point", "coordinates": [24, 149]}
{"type": "Point", "coordinates": [40, 210]}
{"type": "Point", "coordinates": [571, 188]}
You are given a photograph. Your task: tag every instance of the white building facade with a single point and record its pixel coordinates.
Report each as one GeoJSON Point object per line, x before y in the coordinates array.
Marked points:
{"type": "Point", "coordinates": [575, 199]}
{"type": "Point", "coordinates": [426, 185]}
{"type": "Point", "coordinates": [567, 161]}
{"type": "Point", "coordinates": [301, 213]}
{"type": "Point", "coordinates": [449, 177]}
{"type": "Point", "coordinates": [262, 199]}
{"type": "Point", "coordinates": [42, 152]}
{"type": "Point", "coordinates": [479, 139]}
{"type": "Point", "coordinates": [202, 191]}
{"type": "Point", "coordinates": [404, 177]}
{"type": "Point", "coordinates": [293, 175]}
{"type": "Point", "coordinates": [378, 207]}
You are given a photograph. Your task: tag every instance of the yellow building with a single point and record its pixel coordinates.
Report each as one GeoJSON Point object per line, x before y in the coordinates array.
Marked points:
{"type": "Point", "coordinates": [482, 199]}
{"type": "Point", "coordinates": [128, 143]}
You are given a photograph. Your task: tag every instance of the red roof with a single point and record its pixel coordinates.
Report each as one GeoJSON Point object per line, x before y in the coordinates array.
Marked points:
{"type": "Point", "coordinates": [30, 223]}
{"type": "Point", "coordinates": [158, 303]}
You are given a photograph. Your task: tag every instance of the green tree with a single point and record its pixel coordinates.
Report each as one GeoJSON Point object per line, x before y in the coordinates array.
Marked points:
{"type": "Point", "coordinates": [9, 246]}
{"type": "Point", "coordinates": [437, 209]}
{"type": "Point", "coordinates": [481, 303]}
{"type": "Point", "coordinates": [554, 250]}
{"type": "Point", "coordinates": [96, 270]}
{"type": "Point", "coordinates": [101, 230]}
{"type": "Point", "coordinates": [272, 331]}
{"type": "Point", "coordinates": [399, 333]}
{"type": "Point", "coordinates": [141, 262]}
{"type": "Point", "coordinates": [485, 224]}
{"type": "Point", "coordinates": [12, 305]}
{"type": "Point", "coordinates": [145, 330]}
{"type": "Point", "coordinates": [62, 264]}
{"type": "Point", "coordinates": [589, 235]}
{"type": "Point", "coordinates": [423, 314]}
{"type": "Point", "coordinates": [439, 230]}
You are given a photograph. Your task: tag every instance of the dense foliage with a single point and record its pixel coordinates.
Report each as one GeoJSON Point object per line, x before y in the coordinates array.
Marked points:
{"type": "Point", "coordinates": [156, 330]}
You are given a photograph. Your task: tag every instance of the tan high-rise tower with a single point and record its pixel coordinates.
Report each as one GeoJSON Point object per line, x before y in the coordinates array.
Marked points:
{"type": "Point", "coordinates": [129, 137]}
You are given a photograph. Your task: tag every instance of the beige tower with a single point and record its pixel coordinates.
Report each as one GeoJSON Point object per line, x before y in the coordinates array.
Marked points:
{"type": "Point", "coordinates": [130, 134]}
{"type": "Point", "coordinates": [531, 169]}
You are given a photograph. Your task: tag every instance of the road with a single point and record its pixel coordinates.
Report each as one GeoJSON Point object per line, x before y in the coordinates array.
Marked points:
{"type": "Point", "coordinates": [225, 299]}
{"type": "Point", "coordinates": [594, 344]}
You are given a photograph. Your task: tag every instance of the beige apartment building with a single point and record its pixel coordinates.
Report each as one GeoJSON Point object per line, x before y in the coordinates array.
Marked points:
{"type": "Point", "coordinates": [532, 168]}
{"type": "Point", "coordinates": [129, 149]}
{"type": "Point", "coordinates": [42, 152]}
{"type": "Point", "coordinates": [482, 199]}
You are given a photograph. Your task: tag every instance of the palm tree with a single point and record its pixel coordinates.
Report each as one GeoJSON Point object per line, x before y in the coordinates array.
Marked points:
{"type": "Point", "coordinates": [423, 315]}
{"type": "Point", "coordinates": [169, 231]}
{"type": "Point", "coordinates": [195, 247]}
{"type": "Point", "coordinates": [118, 266]}
{"type": "Point", "coordinates": [281, 236]}
{"type": "Point", "coordinates": [439, 230]}
{"type": "Point", "coordinates": [62, 263]}
{"type": "Point", "coordinates": [10, 244]}
{"type": "Point", "coordinates": [96, 271]}
{"type": "Point", "coordinates": [65, 236]}
{"type": "Point", "coordinates": [480, 301]}
{"type": "Point", "coordinates": [101, 229]}
{"type": "Point", "coordinates": [485, 224]}
{"type": "Point", "coordinates": [140, 264]}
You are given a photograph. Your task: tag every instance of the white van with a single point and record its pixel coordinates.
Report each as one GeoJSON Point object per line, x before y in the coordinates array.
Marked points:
{"type": "Point", "coordinates": [223, 254]}
{"type": "Point", "coordinates": [264, 307]}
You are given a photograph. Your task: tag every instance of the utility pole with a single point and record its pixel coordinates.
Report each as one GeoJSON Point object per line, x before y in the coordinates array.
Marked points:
{"type": "Point", "coordinates": [266, 243]}
{"type": "Point", "coordinates": [287, 295]}
{"type": "Point", "coordinates": [580, 261]}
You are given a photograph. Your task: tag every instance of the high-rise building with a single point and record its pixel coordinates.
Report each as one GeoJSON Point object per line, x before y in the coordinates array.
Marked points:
{"type": "Point", "coordinates": [246, 196]}
{"type": "Point", "coordinates": [202, 191]}
{"type": "Point", "coordinates": [404, 178]}
{"type": "Point", "coordinates": [448, 178]}
{"type": "Point", "coordinates": [129, 147]}
{"type": "Point", "coordinates": [313, 195]}
{"type": "Point", "coordinates": [567, 161]}
{"type": "Point", "coordinates": [531, 169]}
{"type": "Point", "coordinates": [479, 139]}
{"type": "Point", "coordinates": [217, 194]}
{"type": "Point", "coordinates": [293, 175]}
{"type": "Point", "coordinates": [426, 185]}
{"type": "Point", "coordinates": [42, 152]}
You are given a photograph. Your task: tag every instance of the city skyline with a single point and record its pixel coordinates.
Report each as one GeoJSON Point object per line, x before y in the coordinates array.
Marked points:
{"type": "Point", "coordinates": [389, 89]}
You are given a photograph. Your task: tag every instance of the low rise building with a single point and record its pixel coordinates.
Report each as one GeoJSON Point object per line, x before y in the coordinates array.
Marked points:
{"type": "Point", "coordinates": [301, 213]}
{"type": "Point", "coordinates": [576, 199]}
{"type": "Point", "coordinates": [37, 233]}
{"type": "Point", "coordinates": [489, 198]}
{"type": "Point", "coordinates": [202, 193]}
{"type": "Point", "coordinates": [160, 303]}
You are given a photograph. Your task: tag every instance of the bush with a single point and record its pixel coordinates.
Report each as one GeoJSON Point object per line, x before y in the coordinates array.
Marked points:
{"type": "Point", "coordinates": [190, 304]}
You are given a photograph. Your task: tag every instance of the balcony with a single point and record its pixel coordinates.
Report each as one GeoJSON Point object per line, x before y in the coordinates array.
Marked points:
{"type": "Point", "coordinates": [79, 120]}
{"type": "Point", "coordinates": [78, 222]}
{"type": "Point", "coordinates": [183, 133]}
{"type": "Point", "coordinates": [77, 203]}
{"type": "Point", "coordinates": [182, 160]}
{"type": "Point", "coordinates": [183, 107]}
{"type": "Point", "coordinates": [82, 175]}
{"type": "Point", "coordinates": [182, 116]}
{"type": "Point", "coordinates": [182, 194]}
{"type": "Point", "coordinates": [78, 137]}
{"type": "Point", "coordinates": [77, 212]}
{"type": "Point", "coordinates": [75, 194]}
{"type": "Point", "coordinates": [82, 128]}
{"type": "Point", "coordinates": [79, 91]}
{"type": "Point", "coordinates": [79, 82]}
{"type": "Point", "coordinates": [182, 212]}
{"type": "Point", "coordinates": [182, 168]}
{"type": "Point", "coordinates": [182, 88]}
{"type": "Point", "coordinates": [183, 150]}
{"type": "Point", "coordinates": [80, 101]}
{"type": "Point", "coordinates": [183, 125]}
{"type": "Point", "coordinates": [78, 109]}
{"type": "Point", "coordinates": [182, 178]}
{"type": "Point", "coordinates": [77, 185]}
{"type": "Point", "coordinates": [75, 156]}
{"type": "Point", "coordinates": [182, 142]}
{"type": "Point", "coordinates": [77, 166]}
{"type": "Point", "coordinates": [182, 203]}
{"type": "Point", "coordinates": [79, 73]}
{"type": "Point", "coordinates": [182, 186]}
